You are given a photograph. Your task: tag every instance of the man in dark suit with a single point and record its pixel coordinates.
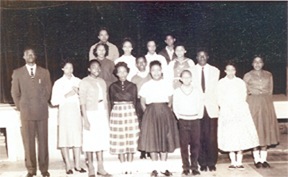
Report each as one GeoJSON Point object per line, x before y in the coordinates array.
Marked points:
{"type": "Point", "coordinates": [168, 51]}
{"type": "Point", "coordinates": [31, 89]}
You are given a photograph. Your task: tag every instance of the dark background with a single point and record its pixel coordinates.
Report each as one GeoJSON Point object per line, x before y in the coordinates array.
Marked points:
{"type": "Point", "coordinates": [229, 30]}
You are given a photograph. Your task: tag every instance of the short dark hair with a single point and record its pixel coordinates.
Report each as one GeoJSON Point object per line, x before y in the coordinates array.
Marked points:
{"type": "Point", "coordinates": [92, 62]}
{"type": "Point", "coordinates": [141, 57]}
{"type": "Point", "coordinates": [155, 62]}
{"type": "Point", "coordinates": [231, 63]}
{"type": "Point", "coordinates": [186, 71]}
{"type": "Point", "coordinates": [98, 45]}
{"type": "Point", "coordinates": [118, 65]}
{"type": "Point", "coordinates": [103, 29]}
{"type": "Point", "coordinates": [66, 61]}
{"type": "Point", "coordinates": [258, 56]}
{"type": "Point", "coordinates": [202, 49]}
{"type": "Point", "coordinates": [169, 34]}
{"type": "Point", "coordinates": [29, 48]}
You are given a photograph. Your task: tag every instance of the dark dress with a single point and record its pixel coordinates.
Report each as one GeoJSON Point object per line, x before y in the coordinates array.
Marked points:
{"type": "Point", "coordinates": [124, 125]}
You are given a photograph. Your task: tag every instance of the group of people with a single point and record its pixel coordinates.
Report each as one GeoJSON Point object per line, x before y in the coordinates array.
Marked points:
{"type": "Point", "coordinates": [153, 104]}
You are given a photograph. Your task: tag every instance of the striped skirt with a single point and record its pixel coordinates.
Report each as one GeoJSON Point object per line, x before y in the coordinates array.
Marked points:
{"type": "Point", "coordinates": [124, 128]}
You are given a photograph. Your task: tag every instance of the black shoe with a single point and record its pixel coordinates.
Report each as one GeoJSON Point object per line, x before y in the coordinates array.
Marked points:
{"type": "Point", "coordinates": [154, 173]}
{"type": "Point", "coordinates": [240, 167]}
{"type": "Point", "coordinates": [203, 168]}
{"type": "Point", "coordinates": [69, 172]}
{"type": "Point", "coordinates": [258, 165]}
{"type": "Point", "coordinates": [143, 155]}
{"type": "Point", "coordinates": [92, 176]}
{"type": "Point", "coordinates": [167, 173]}
{"type": "Point", "coordinates": [195, 172]}
{"type": "Point", "coordinates": [232, 167]}
{"type": "Point", "coordinates": [80, 171]}
{"type": "Point", "coordinates": [186, 172]}
{"type": "Point", "coordinates": [212, 168]}
{"type": "Point", "coordinates": [46, 174]}
{"type": "Point", "coordinates": [30, 174]}
{"type": "Point", "coordinates": [265, 165]}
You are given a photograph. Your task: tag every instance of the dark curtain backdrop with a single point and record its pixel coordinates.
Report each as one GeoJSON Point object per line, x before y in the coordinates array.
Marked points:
{"type": "Point", "coordinates": [59, 30]}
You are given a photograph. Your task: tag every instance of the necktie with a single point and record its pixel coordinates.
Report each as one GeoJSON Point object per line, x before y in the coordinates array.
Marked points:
{"type": "Point", "coordinates": [203, 80]}
{"type": "Point", "coordinates": [32, 73]}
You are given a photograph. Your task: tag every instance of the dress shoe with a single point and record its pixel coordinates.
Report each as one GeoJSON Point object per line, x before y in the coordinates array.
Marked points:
{"type": "Point", "coordinates": [195, 172]}
{"type": "Point", "coordinates": [104, 174]}
{"type": "Point", "coordinates": [232, 167]}
{"type": "Point", "coordinates": [240, 167]}
{"type": "Point", "coordinates": [46, 174]}
{"type": "Point", "coordinates": [258, 165]}
{"type": "Point", "coordinates": [265, 165]}
{"type": "Point", "coordinates": [30, 174]}
{"type": "Point", "coordinates": [203, 168]}
{"type": "Point", "coordinates": [80, 171]}
{"type": "Point", "coordinates": [154, 173]}
{"type": "Point", "coordinates": [143, 155]}
{"type": "Point", "coordinates": [167, 173]}
{"type": "Point", "coordinates": [212, 168]}
{"type": "Point", "coordinates": [186, 172]}
{"type": "Point", "coordinates": [69, 172]}
{"type": "Point", "coordinates": [92, 176]}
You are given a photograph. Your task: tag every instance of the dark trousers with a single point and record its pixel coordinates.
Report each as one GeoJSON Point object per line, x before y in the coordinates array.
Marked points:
{"type": "Point", "coordinates": [189, 131]}
{"type": "Point", "coordinates": [32, 130]}
{"type": "Point", "coordinates": [208, 138]}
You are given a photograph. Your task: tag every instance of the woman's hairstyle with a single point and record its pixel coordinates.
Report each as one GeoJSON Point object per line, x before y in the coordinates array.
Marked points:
{"type": "Point", "coordinates": [127, 39]}
{"type": "Point", "coordinates": [186, 71]}
{"type": "Point", "coordinates": [92, 62]}
{"type": "Point", "coordinates": [153, 63]}
{"type": "Point", "coordinates": [66, 61]}
{"type": "Point", "coordinates": [180, 45]}
{"type": "Point", "coordinates": [140, 58]}
{"type": "Point", "coordinates": [118, 65]}
{"type": "Point", "coordinates": [98, 45]}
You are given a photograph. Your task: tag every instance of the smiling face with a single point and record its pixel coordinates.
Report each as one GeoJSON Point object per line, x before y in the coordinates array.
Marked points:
{"type": "Point", "coordinates": [151, 46]}
{"type": "Point", "coordinates": [141, 64]}
{"type": "Point", "coordinates": [156, 72]}
{"type": "Point", "coordinates": [186, 78]}
{"type": "Point", "coordinates": [94, 69]}
{"type": "Point", "coordinates": [258, 63]}
{"type": "Point", "coordinates": [101, 51]}
{"type": "Point", "coordinates": [202, 58]}
{"type": "Point", "coordinates": [127, 48]}
{"type": "Point", "coordinates": [180, 51]}
{"type": "Point", "coordinates": [29, 56]}
{"type": "Point", "coordinates": [230, 71]}
{"type": "Point", "coordinates": [68, 69]}
{"type": "Point", "coordinates": [103, 36]}
{"type": "Point", "coordinates": [122, 73]}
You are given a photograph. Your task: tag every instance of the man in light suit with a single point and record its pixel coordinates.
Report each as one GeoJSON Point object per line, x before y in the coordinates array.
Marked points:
{"type": "Point", "coordinates": [103, 36]}
{"type": "Point", "coordinates": [31, 89]}
{"type": "Point", "coordinates": [168, 52]}
{"type": "Point", "coordinates": [206, 78]}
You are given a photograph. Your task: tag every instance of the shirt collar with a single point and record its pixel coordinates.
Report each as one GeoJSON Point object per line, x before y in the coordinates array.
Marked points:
{"type": "Point", "coordinates": [168, 50]}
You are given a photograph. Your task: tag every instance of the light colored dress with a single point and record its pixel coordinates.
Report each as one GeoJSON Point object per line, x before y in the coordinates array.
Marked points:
{"type": "Point", "coordinates": [236, 129]}
{"type": "Point", "coordinates": [131, 63]}
{"type": "Point", "coordinates": [93, 93]}
{"type": "Point", "coordinates": [69, 115]}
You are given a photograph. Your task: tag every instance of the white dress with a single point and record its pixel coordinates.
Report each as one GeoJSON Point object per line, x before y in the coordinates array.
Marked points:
{"type": "Point", "coordinates": [236, 129]}
{"type": "Point", "coordinates": [131, 63]}
{"type": "Point", "coordinates": [97, 138]}
{"type": "Point", "coordinates": [69, 115]}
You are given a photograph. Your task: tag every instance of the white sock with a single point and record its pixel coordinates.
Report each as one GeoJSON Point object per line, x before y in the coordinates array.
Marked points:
{"type": "Point", "coordinates": [256, 156]}
{"type": "Point", "coordinates": [239, 159]}
{"type": "Point", "coordinates": [232, 157]}
{"type": "Point", "coordinates": [263, 156]}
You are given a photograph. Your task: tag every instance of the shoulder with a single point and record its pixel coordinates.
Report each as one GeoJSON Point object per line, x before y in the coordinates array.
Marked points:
{"type": "Point", "coordinates": [162, 51]}
{"type": "Point", "coordinates": [111, 45]}
{"type": "Point", "coordinates": [213, 68]}
{"type": "Point", "coordinates": [267, 73]}
{"type": "Point", "coordinates": [247, 75]}
{"type": "Point", "coordinates": [19, 70]}
{"type": "Point", "coordinates": [41, 69]}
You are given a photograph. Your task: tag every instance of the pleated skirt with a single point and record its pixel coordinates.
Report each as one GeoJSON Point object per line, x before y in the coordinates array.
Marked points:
{"type": "Point", "coordinates": [159, 130]}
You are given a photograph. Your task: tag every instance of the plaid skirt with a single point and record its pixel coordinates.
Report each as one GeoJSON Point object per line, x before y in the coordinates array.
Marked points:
{"type": "Point", "coordinates": [124, 128]}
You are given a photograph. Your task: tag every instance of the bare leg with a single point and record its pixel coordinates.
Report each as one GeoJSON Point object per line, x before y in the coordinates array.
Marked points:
{"type": "Point", "coordinates": [76, 154]}
{"type": "Point", "coordinates": [154, 156]}
{"type": "Point", "coordinates": [65, 155]}
{"type": "Point", "coordinates": [100, 165]}
{"type": "Point", "coordinates": [163, 156]}
{"type": "Point", "coordinates": [89, 162]}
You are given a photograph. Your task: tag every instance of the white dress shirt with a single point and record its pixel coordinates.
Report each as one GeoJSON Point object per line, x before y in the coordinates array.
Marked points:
{"type": "Point", "coordinates": [29, 69]}
{"type": "Point", "coordinates": [170, 52]}
{"type": "Point", "coordinates": [206, 72]}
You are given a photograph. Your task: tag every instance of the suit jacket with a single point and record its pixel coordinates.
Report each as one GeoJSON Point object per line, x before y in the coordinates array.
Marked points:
{"type": "Point", "coordinates": [164, 53]}
{"type": "Point", "coordinates": [31, 96]}
{"type": "Point", "coordinates": [210, 95]}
